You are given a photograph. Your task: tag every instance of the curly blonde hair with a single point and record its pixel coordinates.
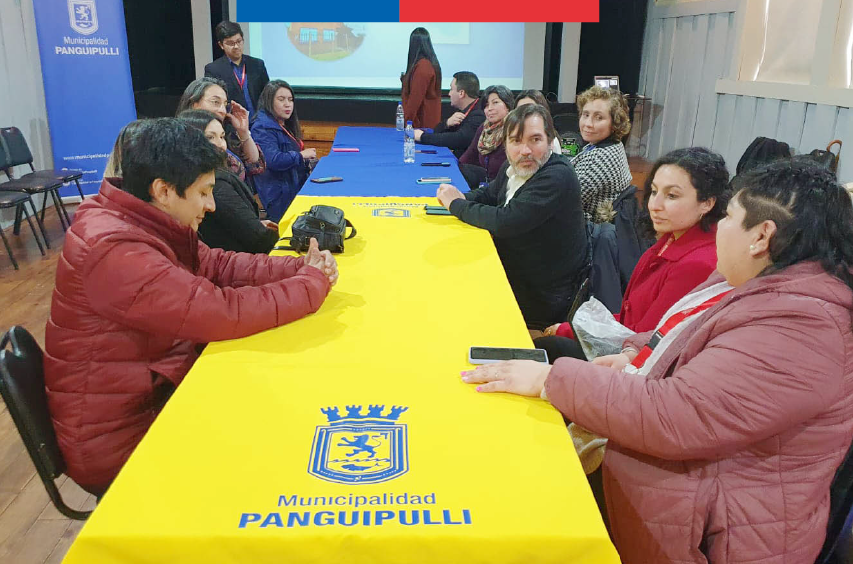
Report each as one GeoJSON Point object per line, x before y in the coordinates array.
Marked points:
{"type": "Point", "coordinates": [618, 108]}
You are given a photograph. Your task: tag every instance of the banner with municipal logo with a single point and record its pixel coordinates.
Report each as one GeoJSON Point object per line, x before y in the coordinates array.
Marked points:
{"type": "Point", "coordinates": [87, 83]}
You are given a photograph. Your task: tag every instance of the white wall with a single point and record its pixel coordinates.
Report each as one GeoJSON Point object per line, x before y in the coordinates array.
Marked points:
{"type": "Point", "coordinates": [21, 89]}
{"type": "Point", "coordinates": [686, 49]}
{"type": "Point", "coordinates": [202, 35]}
{"type": "Point", "coordinates": [569, 56]}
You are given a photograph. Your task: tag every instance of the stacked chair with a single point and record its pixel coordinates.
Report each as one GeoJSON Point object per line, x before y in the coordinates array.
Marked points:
{"type": "Point", "coordinates": [17, 192]}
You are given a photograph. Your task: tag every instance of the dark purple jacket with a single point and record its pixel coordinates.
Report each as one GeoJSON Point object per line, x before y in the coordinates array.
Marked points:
{"type": "Point", "coordinates": [491, 162]}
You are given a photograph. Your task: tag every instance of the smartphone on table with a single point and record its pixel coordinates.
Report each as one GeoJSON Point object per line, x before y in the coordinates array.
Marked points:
{"type": "Point", "coordinates": [488, 355]}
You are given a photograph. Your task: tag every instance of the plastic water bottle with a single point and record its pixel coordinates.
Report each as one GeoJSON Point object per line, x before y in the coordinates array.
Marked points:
{"type": "Point", "coordinates": [400, 117]}
{"type": "Point", "coordinates": [409, 144]}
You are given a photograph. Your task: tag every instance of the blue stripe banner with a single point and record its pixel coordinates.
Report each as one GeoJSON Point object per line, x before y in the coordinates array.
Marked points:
{"type": "Point", "coordinates": [87, 85]}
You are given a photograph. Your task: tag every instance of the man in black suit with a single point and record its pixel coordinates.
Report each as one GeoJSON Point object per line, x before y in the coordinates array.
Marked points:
{"type": "Point", "coordinates": [244, 76]}
{"type": "Point", "coordinates": [457, 132]}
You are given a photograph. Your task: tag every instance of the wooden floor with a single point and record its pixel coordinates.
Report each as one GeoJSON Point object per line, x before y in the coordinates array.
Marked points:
{"type": "Point", "coordinates": [31, 530]}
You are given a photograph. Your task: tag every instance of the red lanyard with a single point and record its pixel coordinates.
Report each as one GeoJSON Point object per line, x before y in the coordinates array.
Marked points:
{"type": "Point", "coordinates": [672, 322]}
{"type": "Point", "coordinates": [666, 245]}
{"type": "Point", "coordinates": [240, 81]}
{"type": "Point", "coordinates": [471, 107]}
{"type": "Point", "coordinates": [295, 140]}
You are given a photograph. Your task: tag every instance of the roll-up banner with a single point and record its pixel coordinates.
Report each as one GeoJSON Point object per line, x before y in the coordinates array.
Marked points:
{"type": "Point", "coordinates": [87, 84]}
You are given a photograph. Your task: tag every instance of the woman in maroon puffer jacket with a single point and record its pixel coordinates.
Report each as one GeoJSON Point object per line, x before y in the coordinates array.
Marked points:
{"type": "Point", "coordinates": [726, 428]}
{"type": "Point", "coordinates": [137, 293]}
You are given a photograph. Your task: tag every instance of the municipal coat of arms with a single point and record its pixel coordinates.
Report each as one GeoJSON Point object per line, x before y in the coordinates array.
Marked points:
{"type": "Point", "coordinates": [83, 16]}
{"type": "Point", "coordinates": [359, 448]}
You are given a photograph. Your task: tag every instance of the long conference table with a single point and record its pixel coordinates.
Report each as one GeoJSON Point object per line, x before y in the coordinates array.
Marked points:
{"type": "Point", "coordinates": [348, 436]}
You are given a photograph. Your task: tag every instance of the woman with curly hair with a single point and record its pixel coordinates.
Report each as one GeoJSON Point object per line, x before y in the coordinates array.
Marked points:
{"type": "Point", "coordinates": [602, 165]}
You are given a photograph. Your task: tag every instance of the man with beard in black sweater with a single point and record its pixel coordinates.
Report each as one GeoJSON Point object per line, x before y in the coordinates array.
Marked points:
{"type": "Point", "coordinates": [533, 211]}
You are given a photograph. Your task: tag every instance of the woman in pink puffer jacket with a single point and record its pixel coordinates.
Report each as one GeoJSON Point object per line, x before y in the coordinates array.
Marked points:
{"type": "Point", "coordinates": [726, 425]}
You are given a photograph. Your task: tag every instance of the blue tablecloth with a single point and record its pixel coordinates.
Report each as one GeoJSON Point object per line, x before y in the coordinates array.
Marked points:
{"type": "Point", "coordinates": [378, 168]}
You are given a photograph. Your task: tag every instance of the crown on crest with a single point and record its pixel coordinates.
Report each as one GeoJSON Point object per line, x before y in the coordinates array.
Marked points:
{"type": "Point", "coordinates": [354, 414]}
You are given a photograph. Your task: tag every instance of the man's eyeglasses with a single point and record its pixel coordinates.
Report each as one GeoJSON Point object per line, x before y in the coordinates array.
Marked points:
{"type": "Point", "coordinates": [232, 44]}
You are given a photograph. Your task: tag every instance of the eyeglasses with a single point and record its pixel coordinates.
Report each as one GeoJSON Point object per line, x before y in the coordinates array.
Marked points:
{"type": "Point", "coordinates": [232, 44]}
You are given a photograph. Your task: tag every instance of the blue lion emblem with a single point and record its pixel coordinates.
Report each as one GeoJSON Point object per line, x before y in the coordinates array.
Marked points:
{"type": "Point", "coordinates": [360, 448]}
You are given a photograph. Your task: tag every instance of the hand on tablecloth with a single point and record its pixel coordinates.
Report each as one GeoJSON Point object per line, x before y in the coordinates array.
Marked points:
{"type": "Point", "coordinates": [271, 225]}
{"type": "Point", "coordinates": [418, 133]}
{"type": "Point", "coordinates": [322, 261]}
{"type": "Point", "coordinates": [521, 377]}
{"type": "Point", "coordinates": [446, 193]}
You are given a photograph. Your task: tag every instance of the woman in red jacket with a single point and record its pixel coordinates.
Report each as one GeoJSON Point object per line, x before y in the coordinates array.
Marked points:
{"type": "Point", "coordinates": [137, 295]}
{"type": "Point", "coordinates": [422, 82]}
{"type": "Point", "coordinates": [726, 424]}
{"type": "Point", "coordinates": [686, 194]}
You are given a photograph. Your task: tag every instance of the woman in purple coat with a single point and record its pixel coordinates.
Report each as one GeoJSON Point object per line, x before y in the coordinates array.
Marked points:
{"type": "Point", "coordinates": [486, 155]}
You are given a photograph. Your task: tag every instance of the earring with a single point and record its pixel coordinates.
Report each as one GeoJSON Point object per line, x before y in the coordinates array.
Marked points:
{"type": "Point", "coordinates": [752, 247]}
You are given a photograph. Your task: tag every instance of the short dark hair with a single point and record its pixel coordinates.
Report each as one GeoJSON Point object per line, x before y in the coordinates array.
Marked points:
{"type": "Point", "coordinates": [195, 92]}
{"type": "Point", "coordinates": [504, 93]}
{"type": "Point", "coordinates": [199, 119]}
{"type": "Point", "coordinates": [468, 81]}
{"type": "Point", "coordinates": [812, 212]}
{"type": "Point", "coordinates": [534, 95]}
{"type": "Point", "coordinates": [267, 98]}
{"type": "Point", "coordinates": [168, 149]}
{"type": "Point", "coordinates": [709, 176]}
{"type": "Point", "coordinates": [514, 121]}
{"type": "Point", "coordinates": [226, 29]}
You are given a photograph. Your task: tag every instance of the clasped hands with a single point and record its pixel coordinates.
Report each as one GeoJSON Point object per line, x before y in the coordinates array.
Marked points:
{"type": "Point", "coordinates": [322, 261]}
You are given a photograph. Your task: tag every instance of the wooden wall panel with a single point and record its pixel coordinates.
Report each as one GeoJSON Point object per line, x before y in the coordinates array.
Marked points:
{"type": "Point", "coordinates": [684, 53]}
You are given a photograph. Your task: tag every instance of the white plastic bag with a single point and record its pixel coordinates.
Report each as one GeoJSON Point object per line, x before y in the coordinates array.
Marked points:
{"type": "Point", "coordinates": [597, 330]}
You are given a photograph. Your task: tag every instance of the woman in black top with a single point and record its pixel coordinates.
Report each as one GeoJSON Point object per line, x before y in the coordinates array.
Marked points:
{"type": "Point", "coordinates": [235, 225]}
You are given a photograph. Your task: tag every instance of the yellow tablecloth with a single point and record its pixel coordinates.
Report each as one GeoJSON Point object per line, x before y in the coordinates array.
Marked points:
{"type": "Point", "coordinates": [244, 465]}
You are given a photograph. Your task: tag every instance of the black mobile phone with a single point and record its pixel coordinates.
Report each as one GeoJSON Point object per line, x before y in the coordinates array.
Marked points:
{"type": "Point", "coordinates": [435, 164]}
{"type": "Point", "coordinates": [326, 179]}
{"type": "Point", "coordinates": [487, 355]}
{"type": "Point", "coordinates": [437, 210]}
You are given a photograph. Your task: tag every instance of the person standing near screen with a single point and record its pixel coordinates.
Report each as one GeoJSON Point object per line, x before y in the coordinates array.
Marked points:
{"type": "Point", "coordinates": [244, 76]}
{"type": "Point", "coordinates": [457, 132]}
{"type": "Point", "coordinates": [422, 82]}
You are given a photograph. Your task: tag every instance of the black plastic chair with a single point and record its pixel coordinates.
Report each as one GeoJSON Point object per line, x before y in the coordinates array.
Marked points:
{"type": "Point", "coordinates": [837, 545]}
{"type": "Point", "coordinates": [22, 388]}
{"type": "Point", "coordinates": [33, 185]}
{"type": "Point", "coordinates": [18, 201]}
{"type": "Point", "coordinates": [20, 154]}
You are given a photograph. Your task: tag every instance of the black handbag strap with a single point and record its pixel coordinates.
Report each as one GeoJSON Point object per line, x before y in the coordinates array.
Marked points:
{"type": "Point", "coordinates": [291, 248]}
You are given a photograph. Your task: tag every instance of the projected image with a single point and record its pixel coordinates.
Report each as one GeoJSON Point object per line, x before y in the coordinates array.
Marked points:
{"type": "Point", "coordinates": [373, 55]}
{"type": "Point", "coordinates": [325, 41]}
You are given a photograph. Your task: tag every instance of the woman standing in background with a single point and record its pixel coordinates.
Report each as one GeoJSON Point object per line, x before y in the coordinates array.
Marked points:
{"type": "Point", "coordinates": [422, 82]}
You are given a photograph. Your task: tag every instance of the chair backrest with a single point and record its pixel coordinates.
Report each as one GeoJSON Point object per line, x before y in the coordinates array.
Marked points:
{"type": "Point", "coordinates": [22, 388]}
{"type": "Point", "coordinates": [16, 147]}
{"type": "Point", "coordinates": [631, 244]}
{"type": "Point", "coordinates": [840, 507]}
